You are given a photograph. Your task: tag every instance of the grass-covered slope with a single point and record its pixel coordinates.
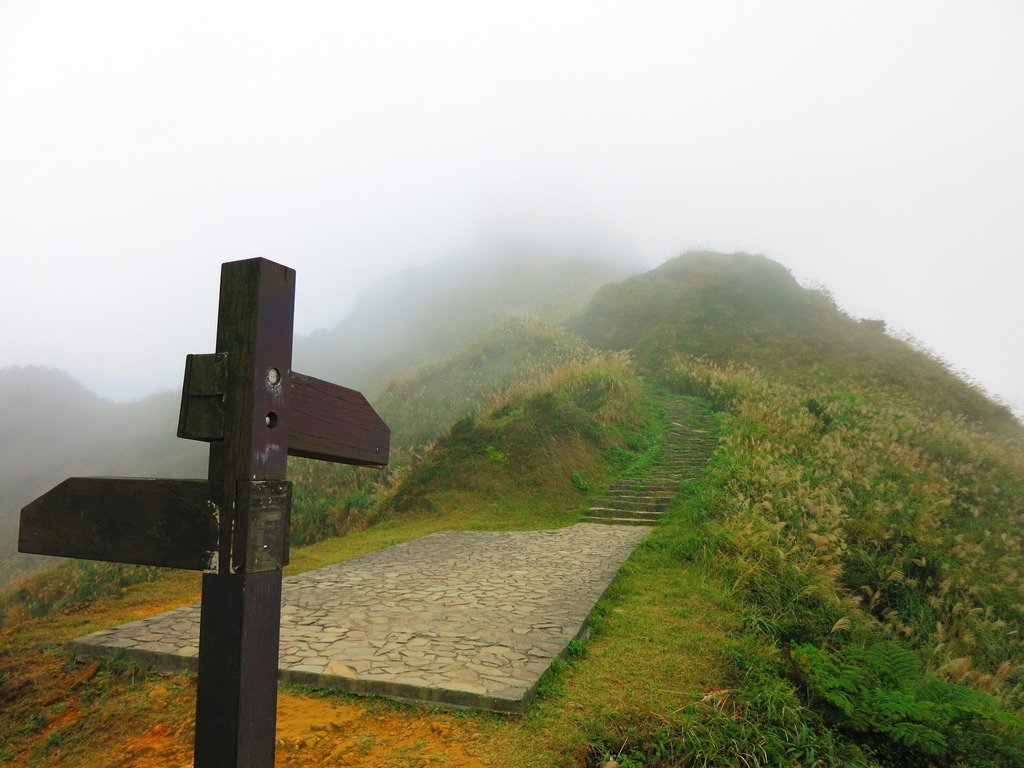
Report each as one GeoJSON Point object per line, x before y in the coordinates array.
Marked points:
{"type": "Point", "coordinates": [421, 406]}
{"type": "Point", "coordinates": [865, 512]}
{"type": "Point", "coordinates": [749, 309]}
{"type": "Point", "coordinates": [873, 552]}
{"type": "Point", "coordinates": [547, 435]}
{"type": "Point", "coordinates": [497, 373]}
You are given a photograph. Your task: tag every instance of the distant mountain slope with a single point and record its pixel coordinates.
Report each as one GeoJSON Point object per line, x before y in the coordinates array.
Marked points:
{"type": "Point", "coordinates": [749, 309]}
{"type": "Point", "coordinates": [57, 429]}
{"type": "Point", "coordinates": [426, 313]}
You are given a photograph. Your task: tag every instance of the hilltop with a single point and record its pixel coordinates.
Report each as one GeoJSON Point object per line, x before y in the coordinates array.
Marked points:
{"type": "Point", "coordinates": [842, 585]}
{"type": "Point", "coordinates": [743, 308]}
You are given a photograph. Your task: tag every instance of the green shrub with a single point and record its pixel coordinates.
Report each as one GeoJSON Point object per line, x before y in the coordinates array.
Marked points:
{"type": "Point", "coordinates": [579, 483]}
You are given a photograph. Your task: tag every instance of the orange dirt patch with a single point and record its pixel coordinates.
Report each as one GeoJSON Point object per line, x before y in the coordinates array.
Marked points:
{"type": "Point", "coordinates": [315, 732]}
{"type": "Point", "coordinates": [319, 732]}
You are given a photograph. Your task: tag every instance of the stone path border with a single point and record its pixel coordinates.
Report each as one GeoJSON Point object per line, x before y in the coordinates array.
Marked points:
{"type": "Point", "coordinates": [469, 619]}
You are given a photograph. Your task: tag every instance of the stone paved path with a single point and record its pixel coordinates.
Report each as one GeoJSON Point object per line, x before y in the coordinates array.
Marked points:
{"type": "Point", "coordinates": [462, 618]}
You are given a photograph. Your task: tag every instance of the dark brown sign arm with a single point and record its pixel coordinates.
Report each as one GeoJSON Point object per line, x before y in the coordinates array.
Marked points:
{"type": "Point", "coordinates": [170, 523]}
{"type": "Point", "coordinates": [333, 423]}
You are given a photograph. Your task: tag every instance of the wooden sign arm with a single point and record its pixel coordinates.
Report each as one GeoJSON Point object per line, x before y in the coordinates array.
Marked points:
{"type": "Point", "coordinates": [325, 421]}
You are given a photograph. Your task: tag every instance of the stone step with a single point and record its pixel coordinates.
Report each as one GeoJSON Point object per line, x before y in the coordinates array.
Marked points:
{"type": "Point", "coordinates": [632, 499]}
{"type": "Point", "coordinates": [615, 521]}
{"type": "Point", "coordinates": [640, 506]}
{"type": "Point", "coordinates": [633, 514]}
{"type": "Point", "coordinates": [620, 493]}
{"type": "Point", "coordinates": [662, 498]}
{"type": "Point", "coordinates": [672, 488]}
{"type": "Point", "coordinates": [639, 500]}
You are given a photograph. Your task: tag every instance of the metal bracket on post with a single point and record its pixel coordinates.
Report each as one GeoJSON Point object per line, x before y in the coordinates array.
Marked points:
{"type": "Point", "coordinates": [261, 535]}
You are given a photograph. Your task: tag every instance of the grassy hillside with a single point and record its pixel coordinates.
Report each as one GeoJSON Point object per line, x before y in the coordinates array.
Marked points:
{"type": "Point", "coordinates": [486, 377]}
{"type": "Point", "coordinates": [749, 309]}
{"type": "Point", "coordinates": [841, 587]}
{"type": "Point", "coordinates": [544, 412]}
{"type": "Point", "coordinates": [548, 431]}
{"type": "Point", "coordinates": [865, 511]}
{"type": "Point", "coordinates": [422, 405]}
{"type": "Point", "coordinates": [871, 553]}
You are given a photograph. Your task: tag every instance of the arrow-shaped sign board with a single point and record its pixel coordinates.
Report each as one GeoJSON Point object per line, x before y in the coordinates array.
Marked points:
{"type": "Point", "coordinates": [254, 411]}
{"type": "Point", "coordinates": [171, 523]}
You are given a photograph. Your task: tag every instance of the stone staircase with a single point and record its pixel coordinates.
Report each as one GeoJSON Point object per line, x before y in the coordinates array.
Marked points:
{"type": "Point", "coordinates": [640, 499]}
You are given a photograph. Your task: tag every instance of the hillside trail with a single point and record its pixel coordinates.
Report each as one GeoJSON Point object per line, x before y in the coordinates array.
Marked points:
{"type": "Point", "coordinates": [317, 730]}
{"type": "Point", "coordinates": [640, 499]}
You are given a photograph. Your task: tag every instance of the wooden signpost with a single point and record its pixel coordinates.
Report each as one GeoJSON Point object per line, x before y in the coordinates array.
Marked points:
{"type": "Point", "coordinates": [254, 411]}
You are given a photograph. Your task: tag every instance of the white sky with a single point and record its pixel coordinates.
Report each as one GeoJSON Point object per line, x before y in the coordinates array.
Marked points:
{"type": "Point", "coordinates": [875, 147]}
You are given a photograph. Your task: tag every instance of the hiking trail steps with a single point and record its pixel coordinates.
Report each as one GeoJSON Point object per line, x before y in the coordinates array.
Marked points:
{"type": "Point", "coordinates": [640, 500]}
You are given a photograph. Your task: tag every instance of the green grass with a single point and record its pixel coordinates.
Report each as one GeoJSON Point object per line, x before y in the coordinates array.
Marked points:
{"type": "Point", "coordinates": [525, 404]}
{"type": "Point", "coordinates": [865, 503]}
{"type": "Point", "coordinates": [72, 584]}
{"type": "Point", "coordinates": [881, 615]}
{"type": "Point", "coordinates": [584, 419]}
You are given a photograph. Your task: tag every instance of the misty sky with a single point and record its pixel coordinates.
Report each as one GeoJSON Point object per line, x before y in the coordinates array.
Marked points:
{"type": "Point", "coordinates": [874, 147]}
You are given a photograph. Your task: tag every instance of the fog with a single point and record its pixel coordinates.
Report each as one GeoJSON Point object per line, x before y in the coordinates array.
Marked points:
{"type": "Point", "coordinates": [875, 148]}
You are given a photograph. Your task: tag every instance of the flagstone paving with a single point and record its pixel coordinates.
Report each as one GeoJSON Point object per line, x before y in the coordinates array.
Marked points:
{"type": "Point", "coordinates": [462, 618]}
{"type": "Point", "coordinates": [466, 618]}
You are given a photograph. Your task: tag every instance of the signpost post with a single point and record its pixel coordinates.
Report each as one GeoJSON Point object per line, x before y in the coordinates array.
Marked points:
{"type": "Point", "coordinates": [254, 411]}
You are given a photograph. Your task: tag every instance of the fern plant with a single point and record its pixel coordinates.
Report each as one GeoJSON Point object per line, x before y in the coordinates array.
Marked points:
{"type": "Point", "coordinates": [880, 696]}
